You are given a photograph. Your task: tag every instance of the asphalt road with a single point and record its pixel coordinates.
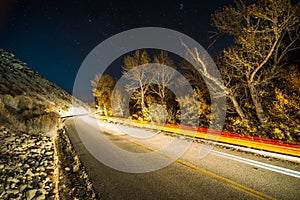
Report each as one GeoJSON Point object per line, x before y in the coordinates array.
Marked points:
{"type": "Point", "coordinates": [215, 176]}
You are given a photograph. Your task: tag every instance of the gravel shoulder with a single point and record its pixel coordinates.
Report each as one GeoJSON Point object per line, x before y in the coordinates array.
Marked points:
{"type": "Point", "coordinates": [74, 182]}
{"type": "Point", "coordinates": [39, 167]}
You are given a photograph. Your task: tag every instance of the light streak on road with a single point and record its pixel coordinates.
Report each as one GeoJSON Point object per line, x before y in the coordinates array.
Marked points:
{"type": "Point", "coordinates": [273, 168]}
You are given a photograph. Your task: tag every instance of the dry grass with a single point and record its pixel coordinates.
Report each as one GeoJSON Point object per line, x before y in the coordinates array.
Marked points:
{"type": "Point", "coordinates": [8, 101]}
{"type": "Point", "coordinates": [24, 102]}
{"type": "Point", "coordinates": [43, 123]}
{"type": "Point", "coordinates": [25, 114]}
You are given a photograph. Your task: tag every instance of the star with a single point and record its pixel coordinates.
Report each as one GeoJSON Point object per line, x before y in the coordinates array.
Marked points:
{"type": "Point", "coordinates": [181, 6]}
{"type": "Point", "coordinates": [76, 42]}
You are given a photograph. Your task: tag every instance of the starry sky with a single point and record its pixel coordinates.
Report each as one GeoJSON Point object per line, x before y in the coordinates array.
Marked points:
{"type": "Point", "coordinates": [54, 36]}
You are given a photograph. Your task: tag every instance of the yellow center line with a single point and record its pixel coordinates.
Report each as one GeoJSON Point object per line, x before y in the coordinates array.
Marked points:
{"type": "Point", "coordinates": [228, 182]}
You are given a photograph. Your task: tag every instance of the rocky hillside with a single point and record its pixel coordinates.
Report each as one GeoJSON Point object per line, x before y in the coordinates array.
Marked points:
{"type": "Point", "coordinates": [31, 153]}
{"type": "Point", "coordinates": [16, 78]}
{"type": "Point", "coordinates": [29, 102]}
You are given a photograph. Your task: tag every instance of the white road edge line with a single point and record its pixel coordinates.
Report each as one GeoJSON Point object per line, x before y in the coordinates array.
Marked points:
{"type": "Point", "coordinates": [263, 153]}
{"type": "Point", "coordinates": [259, 164]}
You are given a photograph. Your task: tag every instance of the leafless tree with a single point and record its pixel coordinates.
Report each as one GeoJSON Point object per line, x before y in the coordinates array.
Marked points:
{"type": "Point", "coordinates": [264, 33]}
{"type": "Point", "coordinates": [163, 76]}
{"type": "Point", "coordinates": [137, 78]}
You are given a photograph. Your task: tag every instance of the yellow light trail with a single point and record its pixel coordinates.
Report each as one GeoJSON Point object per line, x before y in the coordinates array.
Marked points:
{"type": "Point", "coordinates": [260, 145]}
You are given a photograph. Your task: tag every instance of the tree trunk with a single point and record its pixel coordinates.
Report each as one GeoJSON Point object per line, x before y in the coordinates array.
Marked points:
{"type": "Point", "coordinates": [258, 106]}
{"type": "Point", "coordinates": [143, 106]}
{"type": "Point", "coordinates": [238, 107]}
{"type": "Point", "coordinates": [104, 110]}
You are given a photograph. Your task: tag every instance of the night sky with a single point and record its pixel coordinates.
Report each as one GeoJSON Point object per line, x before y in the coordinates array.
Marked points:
{"type": "Point", "coordinates": [53, 37]}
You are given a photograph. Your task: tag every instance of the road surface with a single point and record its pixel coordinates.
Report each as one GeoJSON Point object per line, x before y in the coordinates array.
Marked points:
{"type": "Point", "coordinates": [222, 174]}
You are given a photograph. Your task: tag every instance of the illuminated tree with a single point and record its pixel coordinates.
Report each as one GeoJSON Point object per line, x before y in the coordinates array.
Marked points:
{"type": "Point", "coordinates": [137, 78]}
{"type": "Point", "coordinates": [163, 76]}
{"type": "Point", "coordinates": [119, 103]}
{"type": "Point", "coordinates": [264, 33]}
{"type": "Point", "coordinates": [200, 91]}
{"type": "Point", "coordinates": [284, 105]}
{"type": "Point", "coordinates": [102, 91]}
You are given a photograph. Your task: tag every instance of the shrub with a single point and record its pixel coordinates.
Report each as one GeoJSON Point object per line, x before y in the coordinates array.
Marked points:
{"type": "Point", "coordinates": [190, 110]}
{"type": "Point", "coordinates": [3, 113]}
{"type": "Point", "coordinates": [9, 119]}
{"type": "Point", "coordinates": [158, 113]}
{"type": "Point", "coordinates": [235, 124]}
{"type": "Point", "coordinates": [43, 123]}
{"type": "Point", "coordinates": [278, 134]}
{"type": "Point", "coordinates": [282, 131]}
{"type": "Point", "coordinates": [2, 106]}
{"type": "Point", "coordinates": [16, 124]}
{"type": "Point", "coordinates": [37, 110]}
{"type": "Point", "coordinates": [24, 102]}
{"type": "Point", "coordinates": [9, 101]}
{"type": "Point", "coordinates": [3, 88]}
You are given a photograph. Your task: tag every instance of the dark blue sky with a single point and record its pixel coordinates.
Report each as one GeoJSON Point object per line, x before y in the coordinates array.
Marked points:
{"type": "Point", "coordinates": [54, 37]}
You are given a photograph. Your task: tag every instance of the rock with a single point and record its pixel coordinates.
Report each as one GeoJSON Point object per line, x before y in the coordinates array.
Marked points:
{"type": "Point", "coordinates": [36, 164]}
{"type": "Point", "coordinates": [41, 197]}
{"type": "Point", "coordinates": [36, 151]}
{"type": "Point", "coordinates": [9, 139]}
{"type": "Point", "coordinates": [26, 166]}
{"type": "Point", "coordinates": [42, 169]}
{"type": "Point", "coordinates": [32, 141]}
{"type": "Point", "coordinates": [23, 157]}
{"type": "Point", "coordinates": [12, 191]}
{"type": "Point", "coordinates": [75, 168]}
{"type": "Point", "coordinates": [47, 187]}
{"type": "Point", "coordinates": [29, 173]}
{"type": "Point", "coordinates": [17, 66]}
{"type": "Point", "coordinates": [13, 185]}
{"type": "Point", "coordinates": [43, 174]}
{"type": "Point", "coordinates": [67, 169]}
{"type": "Point", "coordinates": [11, 179]}
{"type": "Point", "coordinates": [49, 153]}
{"type": "Point", "coordinates": [43, 191]}
{"type": "Point", "coordinates": [30, 194]}
{"type": "Point", "coordinates": [47, 179]}
{"type": "Point", "coordinates": [1, 166]}
{"type": "Point", "coordinates": [22, 187]}
{"type": "Point", "coordinates": [30, 145]}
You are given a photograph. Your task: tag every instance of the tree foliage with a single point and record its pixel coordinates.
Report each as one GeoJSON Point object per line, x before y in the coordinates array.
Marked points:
{"type": "Point", "coordinates": [102, 91]}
